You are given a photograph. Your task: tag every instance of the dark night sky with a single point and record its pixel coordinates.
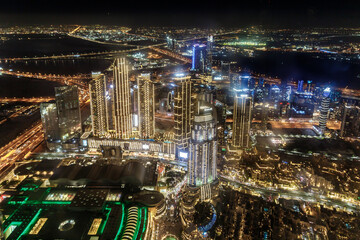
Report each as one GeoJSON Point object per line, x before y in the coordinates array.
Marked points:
{"type": "Point", "coordinates": [291, 13]}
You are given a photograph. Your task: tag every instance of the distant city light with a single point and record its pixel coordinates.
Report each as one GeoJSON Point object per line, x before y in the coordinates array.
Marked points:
{"type": "Point", "coordinates": [245, 43]}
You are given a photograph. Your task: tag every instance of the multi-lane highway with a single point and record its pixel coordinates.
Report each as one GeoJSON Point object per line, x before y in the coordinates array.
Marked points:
{"type": "Point", "coordinates": [19, 112]}
{"type": "Point", "coordinates": [303, 123]}
{"type": "Point", "coordinates": [21, 146]}
{"type": "Point", "coordinates": [27, 100]}
{"type": "Point", "coordinates": [71, 56]}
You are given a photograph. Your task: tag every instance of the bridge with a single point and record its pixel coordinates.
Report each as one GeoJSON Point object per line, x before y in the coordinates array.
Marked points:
{"type": "Point", "coordinates": [27, 100]}
{"type": "Point", "coordinates": [69, 56]}
{"type": "Point", "coordinates": [63, 79]}
{"type": "Point", "coordinates": [116, 43]}
{"type": "Point", "coordinates": [171, 54]}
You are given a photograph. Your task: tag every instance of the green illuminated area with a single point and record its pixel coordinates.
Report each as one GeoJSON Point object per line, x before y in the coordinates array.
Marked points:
{"type": "Point", "coordinates": [170, 238]}
{"type": "Point", "coordinates": [24, 218]}
{"type": "Point", "coordinates": [144, 223]}
{"type": "Point", "coordinates": [54, 202]}
{"type": "Point", "coordinates": [10, 228]}
{"type": "Point", "coordinates": [103, 223]}
{"type": "Point", "coordinates": [26, 208]}
{"type": "Point", "coordinates": [32, 223]}
{"type": "Point", "coordinates": [135, 225]}
{"type": "Point", "coordinates": [18, 200]}
{"type": "Point", "coordinates": [20, 223]}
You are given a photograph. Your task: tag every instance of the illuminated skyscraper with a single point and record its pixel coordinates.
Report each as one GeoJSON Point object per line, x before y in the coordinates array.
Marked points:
{"type": "Point", "coordinates": [350, 124]}
{"type": "Point", "coordinates": [300, 87]}
{"type": "Point", "coordinates": [199, 58]}
{"type": "Point", "coordinates": [110, 102]}
{"type": "Point", "coordinates": [242, 118]}
{"type": "Point", "coordinates": [146, 106]}
{"type": "Point", "coordinates": [288, 92]}
{"type": "Point", "coordinates": [100, 105]}
{"type": "Point", "coordinates": [325, 106]}
{"type": "Point", "coordinates": [309, 88]}
{"type": "Point", "coordinates": [209, 49]}
{"type": "Point", "coordinates": [61, 119]}
{"type": "Point", "coordinates": [121, 100]}
{"type": "Point", "coordinates": [171, 42]}
{"type": "Point", "coordinates": [68, 111]}
{"type": "Point", "coordinates": [203, 146]}
{"type": "Point", "coordinates": [183, 110]}
{"type": "Point", "coordinates": [274, 94]}
{"type": "Point", "coordinates": [50, 122]}
{"type": "Point", "coordinates": [302, 105]}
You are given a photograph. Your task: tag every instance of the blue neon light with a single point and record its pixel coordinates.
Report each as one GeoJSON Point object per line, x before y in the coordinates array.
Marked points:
{"type": "Point", "coordinates": [208, 226]}
{"type": "Point", "coordinates": [193, 58]}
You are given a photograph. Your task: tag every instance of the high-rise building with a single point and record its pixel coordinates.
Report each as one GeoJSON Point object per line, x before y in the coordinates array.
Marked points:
{"type": "Point", "coordinates": [203, 146]}
{"type": "Point", "coordinates": [199, 58]}
{"type": "Point", "coordinates": [302, 105]}
{"type": "Point", "coordinates": [242, 118]}
{"type": "Point", "coordinates": [68, 111]}
{"type": "Point", "coordinates": [288, 92]}
{"type": "Point", "coordinates": [209, 49]}
{"type": "Point", "coordinates": [99, 96]}
{"type": "Point", "coordinates": [134, 94]}
{"type": "Point", "coordinates": [274, 94]}
{"type": "Point", "coordinates": [350, 124]}
{"type": "Point", "coordinates": [110, 102]}
{"type": "Point", "coordinates": [300, 87]}
{"type": "Point", "coordinates": [205, 92]}
{"type": "Point", "coordinates": [121, 100]}
{"type": "Point", "coordinates": [325, 106]}
{"type": "Point", "coordinates": [241, 80]}
{"type": "Point", "coordinates": [50, 122]}
{"type": "Point", "coordinates": [146, 106]}
{"type": "Point", "coordinates": [101, 104]}
{"type": "Point", "coordinates": [61, 119]}
{"type": "Point", "coordinates": [171, 42]}
{"type": "Point", "coordinates": [309, 86]}
{"type": "Point", "coordinates": [183, 110]}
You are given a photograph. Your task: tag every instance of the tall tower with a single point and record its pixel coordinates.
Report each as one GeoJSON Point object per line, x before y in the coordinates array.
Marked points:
{"type": "Point", "coordinates": [98, 105]}
{"type": "Point", "coordinates": [203, 146]}
{"type": "Point", "coordinates": [50, 121]}
{"type": "Point", "coordinates": [242, 118]}
{"type": "Point", "coordinates": [110, 101]}
{"type": "Point", "coordinates": [183, 110]}
{"type": "Point", "coordinates": [122, 102]}
{"type": "Point", "coordinates": [325, 105]}
{"type": "Point", "coordinates": [209, 50]}
{"type": "Point", "coordinates": [350, 124]}
{"type": "Point", "coordinates": [199, 58]}
{"type": "Point", "coordinates": [68, 111]}
{"type": "Point", "coordinates": [300, 87]}
{"type": "Point", "coordinates": [146, 106]}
